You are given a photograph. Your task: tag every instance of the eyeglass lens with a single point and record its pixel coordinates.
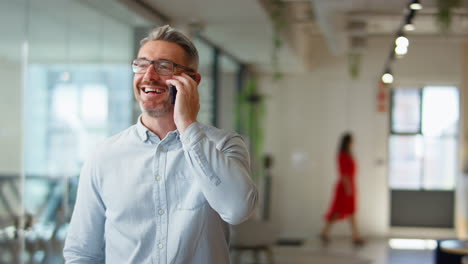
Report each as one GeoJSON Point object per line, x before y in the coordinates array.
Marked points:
{"type": "Point", "coordinates": [161, 67]}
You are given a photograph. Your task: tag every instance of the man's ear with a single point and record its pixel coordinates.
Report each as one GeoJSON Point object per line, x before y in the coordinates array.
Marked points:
{"type": "Point", "coordinates": [197, 78]}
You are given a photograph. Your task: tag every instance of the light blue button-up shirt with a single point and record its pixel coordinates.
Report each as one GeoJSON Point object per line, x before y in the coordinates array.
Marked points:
{"type": "Point", "coordinates": [145, 200]}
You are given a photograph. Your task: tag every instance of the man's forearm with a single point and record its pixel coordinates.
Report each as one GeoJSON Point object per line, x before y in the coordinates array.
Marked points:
{"type": "Point", "coordinates": [224, 177]}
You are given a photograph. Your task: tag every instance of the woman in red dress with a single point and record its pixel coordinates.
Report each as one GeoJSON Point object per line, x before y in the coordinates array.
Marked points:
{"type": "Point", "coordinates": [344, 201]}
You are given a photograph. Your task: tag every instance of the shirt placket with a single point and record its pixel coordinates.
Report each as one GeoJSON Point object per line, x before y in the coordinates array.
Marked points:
{"type": "Point", "coordinates": [161, 203]}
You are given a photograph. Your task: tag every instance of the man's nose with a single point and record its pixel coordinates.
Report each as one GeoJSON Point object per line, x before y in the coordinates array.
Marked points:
{"type": "Point", "coordinates": [151, 74]}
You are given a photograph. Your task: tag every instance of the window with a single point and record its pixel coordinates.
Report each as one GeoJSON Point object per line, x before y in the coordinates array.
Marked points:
{"type": "Point", "coordinates": [423, 140]}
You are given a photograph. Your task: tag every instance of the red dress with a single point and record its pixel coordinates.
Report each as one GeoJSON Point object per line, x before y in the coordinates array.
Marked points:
{"type": "Point", "coordinates": [343, 205]}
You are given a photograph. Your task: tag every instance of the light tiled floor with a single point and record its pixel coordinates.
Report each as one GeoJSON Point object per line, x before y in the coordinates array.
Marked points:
{"type": "Point", "coordinates": [340, 251]}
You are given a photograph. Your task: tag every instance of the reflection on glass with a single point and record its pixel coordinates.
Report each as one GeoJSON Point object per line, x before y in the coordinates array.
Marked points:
{"type": "Point", "coordinates": [405, 162]}
{"type": "Point", "coordinates": [66, 118]}
{"type": "Point", "coordinates": [72, 115]}
{"type": "Point", "coordinates": [94, 107]}
{"type": "Point", "coordinates": [440, 111]}
{"type": "Point", "coordinates": [406, 111]}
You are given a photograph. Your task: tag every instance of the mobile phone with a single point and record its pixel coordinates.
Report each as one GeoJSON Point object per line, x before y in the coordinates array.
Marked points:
{"type": "Point", "coordinates": [172, 93]}
{"type": "Point", "coordinates": [173, 90]}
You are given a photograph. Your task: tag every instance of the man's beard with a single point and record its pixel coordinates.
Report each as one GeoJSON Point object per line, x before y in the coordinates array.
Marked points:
{"type": "Point", "coordinates": [167, 108]}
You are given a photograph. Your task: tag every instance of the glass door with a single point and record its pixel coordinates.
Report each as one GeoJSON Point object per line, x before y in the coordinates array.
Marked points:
{"type": "Point", "coordinates": [423, 156]}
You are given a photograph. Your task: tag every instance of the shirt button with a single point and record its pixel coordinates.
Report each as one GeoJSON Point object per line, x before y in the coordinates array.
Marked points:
{"type": "Point", "coordinates": [158, 178]}
{"type": "Point", "coordinates": [160, 245]}
{"type": "Point", "coordinates": [161, 211]}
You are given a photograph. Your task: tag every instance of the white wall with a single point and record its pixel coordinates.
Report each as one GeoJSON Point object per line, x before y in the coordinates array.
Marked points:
{"type": "Point", "coordinates": [306, 114]}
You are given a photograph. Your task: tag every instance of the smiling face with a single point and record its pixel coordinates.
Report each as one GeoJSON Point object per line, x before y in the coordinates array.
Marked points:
{"type": "Point", "coordinates": [150, 88]}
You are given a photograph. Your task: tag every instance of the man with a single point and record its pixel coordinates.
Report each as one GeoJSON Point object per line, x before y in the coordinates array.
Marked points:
{"type": "Point", "coordinates": [166, 189]}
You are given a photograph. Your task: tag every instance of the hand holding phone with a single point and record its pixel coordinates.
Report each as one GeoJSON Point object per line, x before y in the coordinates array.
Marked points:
{"type": "Point", "coordinates": [186, 102]}
{"type": "Point", "coordinates": [173, 91]}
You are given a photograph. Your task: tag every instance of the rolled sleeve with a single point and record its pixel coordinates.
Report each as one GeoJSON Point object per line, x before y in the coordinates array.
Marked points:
{"type": "Point", "coordinates": [191, 136]}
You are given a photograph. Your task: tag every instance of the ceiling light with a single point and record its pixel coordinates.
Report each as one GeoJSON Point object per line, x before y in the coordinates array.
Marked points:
{"type": "Point", "coordinates": [415, 5]}
{"type": "Point", "coordinates": [401, 50]}
{"type": "Point", "coordinates": [409, 27]}
{"type": "Point", "coordinates": [387, 78]}
{"type": "Point", "coordinates": [402, 41]}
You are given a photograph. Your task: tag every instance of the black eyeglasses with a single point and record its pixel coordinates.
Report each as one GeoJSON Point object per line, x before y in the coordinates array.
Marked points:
{"type": "Point", "coordinates": [162, 67]}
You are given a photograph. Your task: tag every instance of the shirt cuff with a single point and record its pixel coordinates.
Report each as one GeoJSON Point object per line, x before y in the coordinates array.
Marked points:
{"type": "Point", "coordinates": [192, 135]}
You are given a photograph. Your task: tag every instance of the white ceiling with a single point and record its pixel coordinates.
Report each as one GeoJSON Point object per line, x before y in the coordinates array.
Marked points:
{"type": "Point", "coordinates": [244, 29]}
{"type": "Point", "coordinates": [241, 27]}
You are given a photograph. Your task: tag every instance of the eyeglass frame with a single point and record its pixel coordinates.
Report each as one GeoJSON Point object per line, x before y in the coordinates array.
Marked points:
{"type": "Point", "coordinates": [153, 62]}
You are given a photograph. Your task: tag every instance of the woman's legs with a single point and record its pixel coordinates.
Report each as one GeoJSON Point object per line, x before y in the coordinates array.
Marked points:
{"type": "Point", "coordinates": [327, 227]}
{"type": "Point", "coordinates": [356, 237]}
{"type": "Point", "coordinates": [354, 230]}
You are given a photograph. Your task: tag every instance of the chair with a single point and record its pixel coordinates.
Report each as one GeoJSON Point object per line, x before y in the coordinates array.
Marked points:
{"type": "Point", "coordinates": [253, 236]}
{"type": "Point", "coordinates": [465, 260]}
{"type": "Point", "coordinates": [445, 255]}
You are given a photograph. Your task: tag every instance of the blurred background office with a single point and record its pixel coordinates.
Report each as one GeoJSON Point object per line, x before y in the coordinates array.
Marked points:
{"type": "Point", "coordinates": [290, 76]}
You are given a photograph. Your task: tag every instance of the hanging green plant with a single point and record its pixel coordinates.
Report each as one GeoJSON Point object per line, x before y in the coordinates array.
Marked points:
{"type": "Point", "coordinates": [279, 23]}
{"type": "Point", "coordinates": [445, 13]}
{"type": "Point", "coordinates": [354, 62]}
{"type": "Point", "coordinates": [250, 109]}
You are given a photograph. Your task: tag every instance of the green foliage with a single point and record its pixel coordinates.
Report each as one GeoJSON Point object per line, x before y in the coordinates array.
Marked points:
{"type": "Point", "coordinates": [445, 13]}
{"type": "Point", "coordinates": [279, 23]}
{"type": "Point", "coordinates": [354, 62]}
{"type": "Point", "coordinates": [250, 112]}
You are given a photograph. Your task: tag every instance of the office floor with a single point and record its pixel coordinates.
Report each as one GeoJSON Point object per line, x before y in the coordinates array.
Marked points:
{"type": "Point", "coordinates": [340, 251]}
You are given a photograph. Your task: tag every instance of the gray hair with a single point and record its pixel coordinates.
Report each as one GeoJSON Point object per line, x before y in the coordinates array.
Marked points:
{"type": "Point", "coordinates": [169, 34]}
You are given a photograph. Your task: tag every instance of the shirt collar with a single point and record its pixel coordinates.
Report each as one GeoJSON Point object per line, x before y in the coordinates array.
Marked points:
{"type": "Point", "coordinates": [144, 133]}
{"type": "Point", "coordinates": [142, 130]}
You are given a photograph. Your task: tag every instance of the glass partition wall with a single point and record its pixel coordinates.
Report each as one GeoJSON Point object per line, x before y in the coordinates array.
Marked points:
{"type": "Point", "coordinates": [66, 84]}
{"type": "Point", "coordinates": [12, 30]}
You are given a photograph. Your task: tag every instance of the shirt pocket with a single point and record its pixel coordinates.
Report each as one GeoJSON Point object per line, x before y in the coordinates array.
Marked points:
{"type": "Point", "coordinates": [189, 194]}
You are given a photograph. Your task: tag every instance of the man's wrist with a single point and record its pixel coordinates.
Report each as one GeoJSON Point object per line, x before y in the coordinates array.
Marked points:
{"type": "Point", "coordinates": [184, 127]}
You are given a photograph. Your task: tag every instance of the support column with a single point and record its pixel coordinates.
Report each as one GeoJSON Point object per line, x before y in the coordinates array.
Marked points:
{"type": "Point", "coordinates": [462, 186]}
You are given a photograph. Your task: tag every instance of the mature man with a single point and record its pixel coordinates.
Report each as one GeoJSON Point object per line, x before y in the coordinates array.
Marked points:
{"type": "Point", "coordinates": [166, 189]}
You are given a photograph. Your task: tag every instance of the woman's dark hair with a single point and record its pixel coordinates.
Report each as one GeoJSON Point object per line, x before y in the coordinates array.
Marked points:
{"type": "Point", "coordinates": [345, 143]}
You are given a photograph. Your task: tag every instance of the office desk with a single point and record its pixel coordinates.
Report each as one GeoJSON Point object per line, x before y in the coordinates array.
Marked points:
{"type": "Point", "coordinates": [458, 247]}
